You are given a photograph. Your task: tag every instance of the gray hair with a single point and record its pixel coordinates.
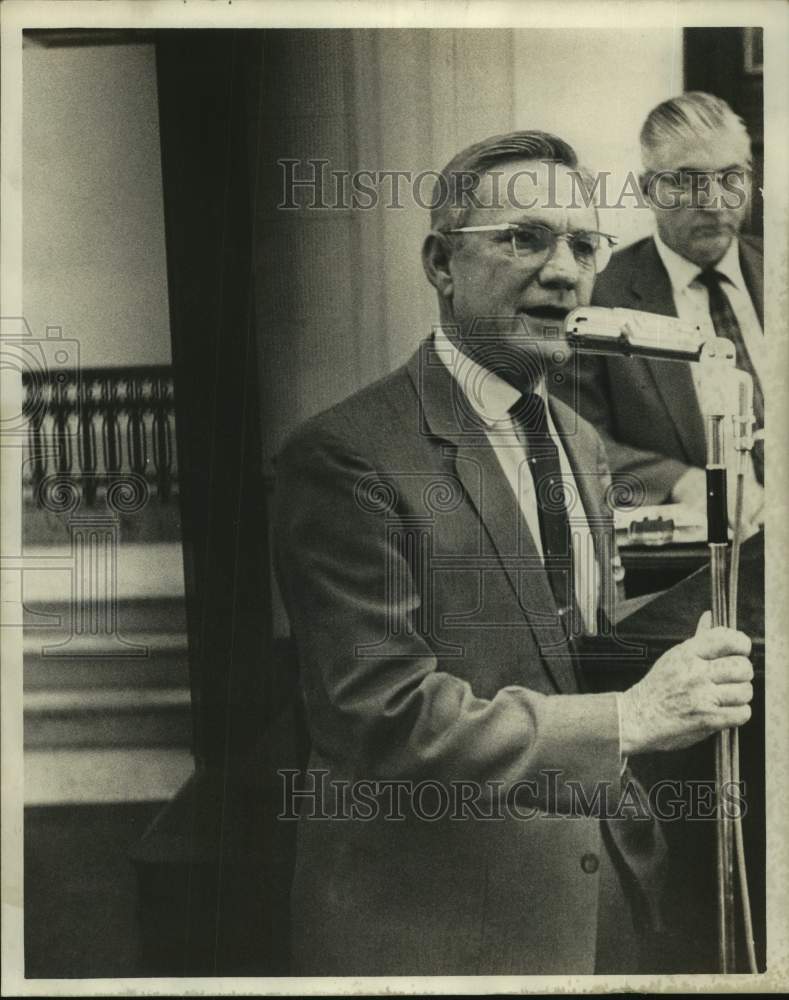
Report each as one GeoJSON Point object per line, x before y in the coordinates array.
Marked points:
{"type": "Point", "coordinates": [690, 115]}
{"type": "Point", "coordinates": [460, 178]}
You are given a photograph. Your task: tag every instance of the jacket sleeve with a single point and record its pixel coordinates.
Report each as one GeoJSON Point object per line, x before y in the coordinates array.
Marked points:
{"type": "Point", "coordinates": [389, 710]}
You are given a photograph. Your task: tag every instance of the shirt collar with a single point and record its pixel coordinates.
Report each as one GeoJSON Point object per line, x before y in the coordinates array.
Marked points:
{"type": "Point", "coordinates": [489, 395]}
{"type": "Point", "coordinates": [682, 272]}
{"type": "Point", "coordinates": [729, 265]}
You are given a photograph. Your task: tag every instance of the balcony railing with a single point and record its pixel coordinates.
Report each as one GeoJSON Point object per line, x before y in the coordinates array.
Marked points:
{"type": "Point", "coordinates": [89, 429]}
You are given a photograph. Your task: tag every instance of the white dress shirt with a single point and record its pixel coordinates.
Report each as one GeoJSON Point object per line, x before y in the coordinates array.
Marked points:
{"type": "Point", "coordinates": [691, 300]}
{"type": "Point", "coordinates": [492, 400]}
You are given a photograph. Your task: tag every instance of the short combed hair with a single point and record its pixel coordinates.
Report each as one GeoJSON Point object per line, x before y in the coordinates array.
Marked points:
{"type": "Point", "coordinates": [690, 115]}
{"type": "Point", "coordinates": [462, 175]}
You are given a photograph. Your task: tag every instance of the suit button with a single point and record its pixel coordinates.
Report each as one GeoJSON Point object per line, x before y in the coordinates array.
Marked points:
{"type": "Point", "coordinates": [590, 863]}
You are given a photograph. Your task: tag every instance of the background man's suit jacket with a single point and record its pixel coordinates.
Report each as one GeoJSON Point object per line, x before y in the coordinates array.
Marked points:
{"type": "Point", "coordinates": [647, 411]}
{"type": "Point", "coordinates": [428, 652]}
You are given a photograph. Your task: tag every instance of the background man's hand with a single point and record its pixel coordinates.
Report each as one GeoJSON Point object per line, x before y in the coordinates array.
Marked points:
{"type": "Point", "coordinates": [695, 689]}
{"type": "Point", "coordinates": [691, 489]}
{"type": "Point", "coordinates": [752, 503]}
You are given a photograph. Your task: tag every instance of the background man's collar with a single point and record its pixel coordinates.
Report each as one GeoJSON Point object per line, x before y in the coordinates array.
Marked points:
{"type": "Point", "coordinates": [729, 265]}
{"type": "Point", "coordinates": [682, 272]}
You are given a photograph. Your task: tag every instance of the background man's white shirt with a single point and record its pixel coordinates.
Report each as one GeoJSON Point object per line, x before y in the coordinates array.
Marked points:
{"type": "Point", "coordinates": [691, 300]}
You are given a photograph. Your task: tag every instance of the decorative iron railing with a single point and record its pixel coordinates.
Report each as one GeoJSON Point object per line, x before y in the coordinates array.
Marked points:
{"type": "Point", "coordinates": [91, 429]}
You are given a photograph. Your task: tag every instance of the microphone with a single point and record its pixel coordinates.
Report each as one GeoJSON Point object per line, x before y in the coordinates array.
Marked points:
{"type": "Point", "coordinates": [631, 333]}
{"type": "Point", "coordinates": [724, 390]}
{"type": "Point", "coordinates": [744, 417]}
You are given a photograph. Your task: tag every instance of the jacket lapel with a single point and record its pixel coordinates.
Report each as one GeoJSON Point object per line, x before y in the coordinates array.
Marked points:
{"type": "Point", "coordinates": [447, 415]}
{"type": "Point", "coordinates": [651, 290]}
{"type": "Point", "coordinates": [591, 482]}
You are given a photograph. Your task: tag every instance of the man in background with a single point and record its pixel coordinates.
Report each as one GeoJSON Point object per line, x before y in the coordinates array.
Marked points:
{"type": "Point", "coordinates": [697, 158]}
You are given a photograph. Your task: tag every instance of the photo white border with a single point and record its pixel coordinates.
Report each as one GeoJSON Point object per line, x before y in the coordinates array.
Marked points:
{"type": "Point", "coordinates": [774, 18]}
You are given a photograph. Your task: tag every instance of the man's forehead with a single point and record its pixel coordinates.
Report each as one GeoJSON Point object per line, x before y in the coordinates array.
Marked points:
{"type": "Point", "coordinates": [509, 174]}
{"type": "Point", "coordinates": [712, 151]}
{"type": "Point", "coordinates": [532, 191]}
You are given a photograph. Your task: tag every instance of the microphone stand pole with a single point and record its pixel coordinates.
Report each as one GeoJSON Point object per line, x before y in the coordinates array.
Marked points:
{"type": "Point", "coordinates": [717, 359]}
{"type": "Point", "coordinates": [594, 330]}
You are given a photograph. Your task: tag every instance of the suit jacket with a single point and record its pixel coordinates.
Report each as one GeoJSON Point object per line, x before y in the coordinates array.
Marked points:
{"type": "Point", "coordinates": [430, 650]}
{"type": "Point", "coordinates": [647, 411]}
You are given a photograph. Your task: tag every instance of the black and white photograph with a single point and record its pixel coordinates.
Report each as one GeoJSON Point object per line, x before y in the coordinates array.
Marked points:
{"type": "Point", "coordinates": [393, 483]}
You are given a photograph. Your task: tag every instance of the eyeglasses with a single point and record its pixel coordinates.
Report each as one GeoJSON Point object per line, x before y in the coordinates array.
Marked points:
{"type": "Point", "coordinates": [533, 241]}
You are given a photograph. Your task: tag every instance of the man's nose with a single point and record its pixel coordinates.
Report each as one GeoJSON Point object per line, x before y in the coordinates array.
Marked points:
{"type": "Point", "coordinates": [561, 268]}
{"type": "Point", "coordinates": [714, 197]}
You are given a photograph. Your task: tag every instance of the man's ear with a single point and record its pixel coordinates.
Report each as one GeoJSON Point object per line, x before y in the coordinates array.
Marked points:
{"type": "Point", "coordinates": [435, 260]}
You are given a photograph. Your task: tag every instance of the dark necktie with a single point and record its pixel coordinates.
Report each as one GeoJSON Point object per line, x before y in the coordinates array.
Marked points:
{"type": "Point", "coordinates": [725, 323]}
{"type": "Point", "coordinates": [530, 418]}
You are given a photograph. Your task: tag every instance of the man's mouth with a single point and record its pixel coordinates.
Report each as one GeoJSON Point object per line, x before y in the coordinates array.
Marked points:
{"type": "Point", "coordinates": [556, 313]}
{"type": "Point", "coordinates": [712, 229]}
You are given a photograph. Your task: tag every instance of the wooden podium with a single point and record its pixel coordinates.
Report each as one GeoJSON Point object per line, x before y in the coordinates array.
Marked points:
{"type": "Point", "coordinates": [691, 943]}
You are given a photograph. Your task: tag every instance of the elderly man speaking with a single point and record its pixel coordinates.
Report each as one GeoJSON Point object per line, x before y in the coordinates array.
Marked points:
{"type": "Point", "coordinates": [443, 546]}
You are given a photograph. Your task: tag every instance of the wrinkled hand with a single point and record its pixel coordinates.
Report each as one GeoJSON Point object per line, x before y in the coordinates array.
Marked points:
{"type": "Point", "coordinates": [695, 689]}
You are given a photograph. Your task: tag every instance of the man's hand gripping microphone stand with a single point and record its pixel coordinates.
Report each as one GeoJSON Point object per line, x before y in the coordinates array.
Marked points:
{"type": "Point", "coordinates": [727, 394]}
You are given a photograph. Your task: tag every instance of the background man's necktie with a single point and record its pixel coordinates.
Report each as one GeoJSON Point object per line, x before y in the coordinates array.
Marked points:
{"type": "Point", "coordinates": [529, 415]}
{"type": "Point", "coordinates": [725, 323]}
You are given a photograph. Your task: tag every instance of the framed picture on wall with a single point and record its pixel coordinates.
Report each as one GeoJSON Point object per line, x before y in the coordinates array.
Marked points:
{"type": "Point", "coordinates": [753, 51]}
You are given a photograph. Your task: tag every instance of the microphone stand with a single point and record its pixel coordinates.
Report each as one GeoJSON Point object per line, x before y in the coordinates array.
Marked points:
{"type": "Point", "coordinates": [716, 362]}
{"type": "Point", "coordinates": [726, 395]}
